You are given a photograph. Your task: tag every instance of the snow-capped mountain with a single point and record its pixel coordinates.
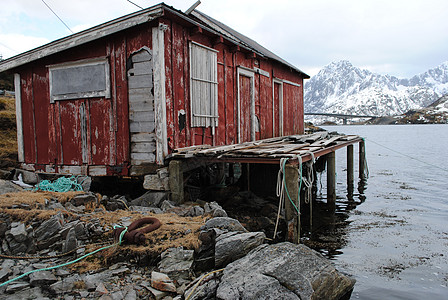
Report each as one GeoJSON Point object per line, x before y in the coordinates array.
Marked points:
{"type": "Point", "coordinates": [343, 88]}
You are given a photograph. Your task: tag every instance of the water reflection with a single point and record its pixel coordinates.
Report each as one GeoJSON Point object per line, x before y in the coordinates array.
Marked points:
{"type": "Point", "coordinates": [326, 230]}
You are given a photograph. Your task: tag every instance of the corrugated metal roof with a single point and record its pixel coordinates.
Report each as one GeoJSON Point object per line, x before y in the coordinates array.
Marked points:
{"type": "Point", "coordinates": [134, 19]}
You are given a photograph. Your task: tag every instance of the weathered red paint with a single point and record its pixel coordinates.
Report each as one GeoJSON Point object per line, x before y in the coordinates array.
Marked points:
{"type": "Point", "coordinates": [53, 134]}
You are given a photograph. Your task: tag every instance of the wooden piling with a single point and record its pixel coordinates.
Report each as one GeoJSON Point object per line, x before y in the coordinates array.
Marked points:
{"type": "Point", "coordinates": [292, 216]}
{"type": "Point", "coordinates": [350, 170]}
{"type": "Point", "coordinates": [331, 178]}
{"type": "Point", "coordinates": [362, 160]}
{"type": "Point", "coordinates": [176, 181]}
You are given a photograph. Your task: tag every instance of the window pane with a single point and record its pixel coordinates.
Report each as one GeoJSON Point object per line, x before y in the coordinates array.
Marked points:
{"type": "Point", "coordinates": [203, 66]}
{"type": "Point", "coordinates": [79, 81]}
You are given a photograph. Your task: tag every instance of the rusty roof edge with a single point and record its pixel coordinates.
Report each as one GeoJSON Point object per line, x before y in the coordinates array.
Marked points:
{"type": "Point", "coordinates": [84, 36]}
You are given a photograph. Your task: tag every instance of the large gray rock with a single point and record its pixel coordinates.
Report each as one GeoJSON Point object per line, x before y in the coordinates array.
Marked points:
{"type": "Point", "coordinates": [214, 209]}
{"type": "Point", "coordinates": [13, 246]}
{"type": "Point", "coordinates": [48, 232]}
{"type": "Point", "coordinates": [27, 176]}
{"type": "Point", "coordinates": [84, 199]}
{"type": "Point", "coordinates": [224, 223]}
{"type": "Point", "coordinates": [283, 271]}
{"type": "Point", "coordinates": [157, 182]}
{"type": "Point", "coordinates": [66, 285]}
{"type": "Point", "coordinates": [151, 199]}
{"type": "Point", "coordinates": [18, 231]}
{"type": "Point", "coordinates": [9, 187]}
{"type": "Point", "coordinates": [177, 264]}
{"type": "Point", "coordinates": [232, 246]}
{"type": "Point", "coordinates": [49, 228]}
{"type": "Point", "coordinates": [70, 242]}
{"type": "Point", "coordinates": [4, 273]}
{"type": "Point", "coordinates": [42, 278]}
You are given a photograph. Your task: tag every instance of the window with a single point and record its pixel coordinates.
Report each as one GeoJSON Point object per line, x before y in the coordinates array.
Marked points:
{"type": "Point", "coordinates": [204, 86]}
{"type": "Point", "coordinates": [81, 79]}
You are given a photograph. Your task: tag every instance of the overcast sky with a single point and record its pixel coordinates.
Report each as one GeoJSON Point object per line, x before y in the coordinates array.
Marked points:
{"type": "Point", "coordinates": [400, 38]}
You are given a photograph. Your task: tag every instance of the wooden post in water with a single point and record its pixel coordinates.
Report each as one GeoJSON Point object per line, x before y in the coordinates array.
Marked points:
{"type": "Point", "coordinates": [331, 178]}
{"type": "Point", "coordinates": [362, 160]}
{"type": "Point", "coordinates": [350, 170]}
{"type": "Point", "coordinates": [292, 216]}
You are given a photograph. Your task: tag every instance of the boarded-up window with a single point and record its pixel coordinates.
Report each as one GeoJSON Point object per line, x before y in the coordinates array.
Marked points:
{"type": "Point", "coordinates": [204, 86]}
{"type": "Point", "coordinates": [81, 79]}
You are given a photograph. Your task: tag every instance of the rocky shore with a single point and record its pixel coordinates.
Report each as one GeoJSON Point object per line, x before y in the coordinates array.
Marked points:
{"type": "Point", "coordinates": [197, 253]}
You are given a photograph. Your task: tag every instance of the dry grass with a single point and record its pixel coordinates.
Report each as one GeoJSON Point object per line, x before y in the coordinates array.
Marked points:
{"type": "Point", "coordinates": [176, 231]}
{"type": "Point", "coordinates": [8, 135]}
{"type": "Point", "coordinates": [8, 103]}
{"type": "Point", "coordinates": [34, 199]}
{"type": "Point", "coordinates": [27, 206]}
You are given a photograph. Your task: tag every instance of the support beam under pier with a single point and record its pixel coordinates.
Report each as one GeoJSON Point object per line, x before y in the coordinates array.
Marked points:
{"type": "Point", "coordinates": [292, 216]}
{"type": "Point", "coordinates": [331, 178]}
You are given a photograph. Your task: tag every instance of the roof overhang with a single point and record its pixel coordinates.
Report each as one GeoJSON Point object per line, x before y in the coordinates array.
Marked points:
{"type": "Point", "coordinates": [83, 37]}
{"type": "Point", "coordinates": [205, 22]}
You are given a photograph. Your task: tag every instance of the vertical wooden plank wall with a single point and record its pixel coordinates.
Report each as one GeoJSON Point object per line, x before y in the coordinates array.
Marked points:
{"type": "Point", "coordinates": [91, 131]}
{"type": "Point", "coordinates": [181, 134]}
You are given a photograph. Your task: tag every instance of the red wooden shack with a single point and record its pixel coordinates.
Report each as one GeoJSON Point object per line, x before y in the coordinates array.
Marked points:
{"type": "Point", "coordinates": [116, 99]}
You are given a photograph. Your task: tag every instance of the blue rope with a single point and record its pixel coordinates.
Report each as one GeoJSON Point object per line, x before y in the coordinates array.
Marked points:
{"type": "Point", "coordinates": [70, 262]}
{"type": "Point", "coordinates": [62, 184]}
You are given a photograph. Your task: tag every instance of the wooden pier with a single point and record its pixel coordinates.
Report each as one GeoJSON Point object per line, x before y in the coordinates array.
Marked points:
{"type": "Point", "coordinates": [293, 151]}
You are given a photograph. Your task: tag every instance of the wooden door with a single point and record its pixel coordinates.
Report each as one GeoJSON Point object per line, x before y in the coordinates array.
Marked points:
{"type": "Point", "coordinates": [141, 111]}
{"type": "Point", "coordinates": [277, 113]}
{"type": "Point", "coordinates": [246, 106]}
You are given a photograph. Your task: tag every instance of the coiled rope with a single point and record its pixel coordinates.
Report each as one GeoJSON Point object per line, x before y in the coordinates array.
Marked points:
{"type": "Point", "coordinates": [309, 179]}
{"type": "Point", "coordinates": [62, 184]}
{"type": "Point", "coordinates": [281, 189]}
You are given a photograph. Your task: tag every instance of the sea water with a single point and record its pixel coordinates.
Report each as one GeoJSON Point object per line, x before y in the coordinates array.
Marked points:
{"type": "Point", "coordinates": [392, 236]}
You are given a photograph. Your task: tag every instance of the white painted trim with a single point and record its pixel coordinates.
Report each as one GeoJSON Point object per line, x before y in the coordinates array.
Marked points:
{"type": "Point", "coordinates": [251, 74]}
{"type": "Point", "coordinates": [73, 170]}
{"type": "Point", "coordinates": [80, 63]}
{"type": "Point", "coordinates": [205, 47]}
{"type": "Point", "coordinates": [291, 83]}
{"type": "Point", "coordinates": [256, 70]}
{"type": "Point", "coordinates": [280, 106]}
{"type": "Point", "coordinates": [18, 95]}
{"type": "Point", "coordinates": [262, 72]}
{"type": "Point", "coordinates": [158, 48]}
{"type": "Point", "coordinates": [97, 171]}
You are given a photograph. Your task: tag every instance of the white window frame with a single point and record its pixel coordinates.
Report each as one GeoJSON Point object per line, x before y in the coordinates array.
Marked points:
{"type": "Point", "coordinates": [203, 105]}
{"type": "Point", "coordinates": [105, 92]}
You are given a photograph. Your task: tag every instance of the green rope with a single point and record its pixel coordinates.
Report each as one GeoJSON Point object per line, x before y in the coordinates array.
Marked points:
{"type": "Point", "coordinates": [70, 262]}
{"type": "Point", "coordinates": [300, 185]}
{"type": "Point", "coordinates": [62, 184]}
